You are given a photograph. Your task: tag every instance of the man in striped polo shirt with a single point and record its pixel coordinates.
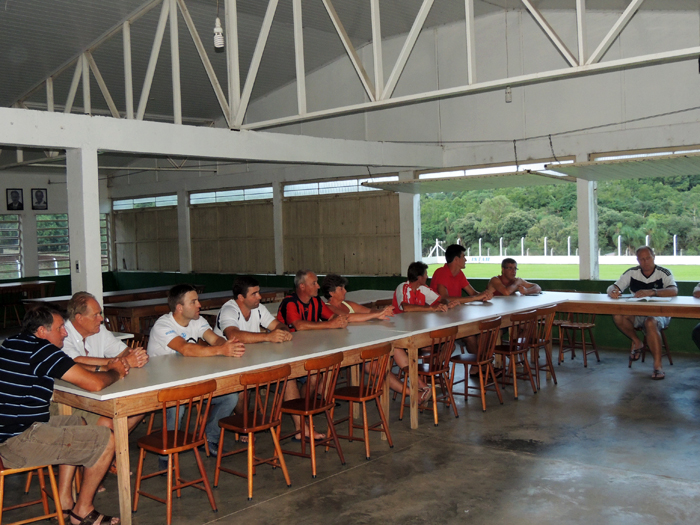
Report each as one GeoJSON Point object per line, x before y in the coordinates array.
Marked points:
{"type": "Point", "coordinates": [645, 280]}
{"type": "Point", "coordinates": [29, 364]}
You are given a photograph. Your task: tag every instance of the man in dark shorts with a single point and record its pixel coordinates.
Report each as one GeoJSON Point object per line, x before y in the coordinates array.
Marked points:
{"type": "Point", "coordinates": [29, 364]}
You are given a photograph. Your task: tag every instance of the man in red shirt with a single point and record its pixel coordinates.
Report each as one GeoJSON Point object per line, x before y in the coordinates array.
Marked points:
{"type": "Point", "coordinates": [449, 280]}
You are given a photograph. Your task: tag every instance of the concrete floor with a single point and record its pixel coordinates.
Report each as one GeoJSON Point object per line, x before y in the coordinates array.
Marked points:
{"type": "Point", "coordinates": [606, 445]}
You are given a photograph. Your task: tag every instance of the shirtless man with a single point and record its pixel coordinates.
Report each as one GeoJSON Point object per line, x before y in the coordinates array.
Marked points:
{"type": "Point", "coordinates": [507, 283]}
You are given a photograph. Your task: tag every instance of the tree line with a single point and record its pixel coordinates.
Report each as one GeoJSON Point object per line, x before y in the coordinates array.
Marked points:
{"type": "Point", "coordinates": [658, 207]}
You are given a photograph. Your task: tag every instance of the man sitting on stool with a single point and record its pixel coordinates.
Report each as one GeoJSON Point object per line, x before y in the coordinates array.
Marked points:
{"type": "Point", "coordinates": [645, 280]}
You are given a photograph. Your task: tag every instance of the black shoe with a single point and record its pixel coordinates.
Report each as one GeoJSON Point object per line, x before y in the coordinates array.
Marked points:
{"type": "Point", "coordinates": [213, 449]}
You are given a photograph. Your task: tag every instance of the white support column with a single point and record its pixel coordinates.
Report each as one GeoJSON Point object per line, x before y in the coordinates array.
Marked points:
{"type": "Point", "coordinates": [409, 225]}
{"type": "Point", "coordinates": [128, 76]}
{"type": "Point", "coordinates": [587, 205]}
{"type": "Point", "coordinates": [84, 220]}
{"type": "Point", "coordinates": [85, 75]}
{"type": "Point", "coordinates": [278, 225]}
{"type": "Point", "coordinates": [183, 231]}
{"type": "Point", "coordinates": [175, 63]}
{"type": "Point", "coordinates": [30, 246]}
{"type": "Point", "coordinates": [233, 68]}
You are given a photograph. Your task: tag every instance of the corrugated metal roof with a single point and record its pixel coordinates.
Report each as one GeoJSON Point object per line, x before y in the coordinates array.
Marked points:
{"type": "Point", "coordinates": [663, 166]}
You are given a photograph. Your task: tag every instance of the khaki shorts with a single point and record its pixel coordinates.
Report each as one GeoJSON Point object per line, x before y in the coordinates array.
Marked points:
{"type": "Point", "coordinates": [661, 322]}
{"type": "Point", "coordinates": [63, 440]}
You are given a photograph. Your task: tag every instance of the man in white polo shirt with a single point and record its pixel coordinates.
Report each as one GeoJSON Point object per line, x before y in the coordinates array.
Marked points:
{"type": "Point", "coordinates": [178, 333]}
{"type": "Point", "coordinates": [94, 347]}
{"type": "Point", "coordinates": [243, 316]}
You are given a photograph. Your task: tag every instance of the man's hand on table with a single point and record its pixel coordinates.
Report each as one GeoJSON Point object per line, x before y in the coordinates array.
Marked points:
{"type": "Point", "coordinates": [231, 348]}
{"type": "Point", "coordinates": [279, 336]}
{"type": "Point", "coordinates": [339, 321]}
{"type": "Point", "coordinates": [136, 357]}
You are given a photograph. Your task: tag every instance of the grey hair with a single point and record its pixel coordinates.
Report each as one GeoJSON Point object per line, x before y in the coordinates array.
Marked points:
{"type": "Point", "coordinates": [78, 304]}
{"type": "Point", "coordinates": [300, 277]}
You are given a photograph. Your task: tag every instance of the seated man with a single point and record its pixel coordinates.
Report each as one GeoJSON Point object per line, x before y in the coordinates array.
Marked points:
{"type": "Point", "coordinates": [304, 310]}
{"type": "Point", "coordinates": [29, 364]}
{"type": "Point", "coordinates": [415, 296]}
{"type": "Point", "coordinates": [645, 280]}
{"type": "Point", "coordinates": [696, 330]}
{"type": "Point", "coordinates": [448, 282]}
{"type": "Point", "coordinates": [91, 345]}
{"type": "Point", "coordinates": [507, 283]}
{"type": "Point", "coordinates": [243, 316]}
{"type": "Point", "coordinates": [179, 332]}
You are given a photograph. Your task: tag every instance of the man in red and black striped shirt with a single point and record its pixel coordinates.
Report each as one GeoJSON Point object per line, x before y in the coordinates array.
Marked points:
{"type": "Point", "coordinates": [304, 309]}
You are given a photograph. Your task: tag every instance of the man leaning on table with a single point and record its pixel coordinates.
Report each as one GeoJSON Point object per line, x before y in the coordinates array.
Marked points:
{"type": "Point", "coordinates": [696, 330]}
{"type": "Point", "coordinates": [179, 332]}
{"type": "Point", "coordinates": [94, 347]}
{"type": "Point", "coordinates": [645, 280]}
{"type": "Point", "coordinates": [507, 283]}
{"type": "Point", "coordinates": [29, 364]}
{"type": "Point", "coordinates": [304, 310]}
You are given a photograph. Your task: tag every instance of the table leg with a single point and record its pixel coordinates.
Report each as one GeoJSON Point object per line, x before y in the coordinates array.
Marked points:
{"type": "Point", "coordinates": [354, 381]}
{"type": "Point", "coordinates": [121, 439]}
{"type": "Point", "coordinates": [64, 410]}
{"type": "Point", "coordinates": [412, 352]}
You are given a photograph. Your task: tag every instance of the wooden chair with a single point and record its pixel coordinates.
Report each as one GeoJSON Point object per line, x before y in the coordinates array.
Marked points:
{"type": "Point", "coordinates": [543, 340]}
{"type": "Point", "coordinates": [195, 400]}
{"type": "Point", "coordinates": [373, 368]}
{"type": "Point", "coordinates": [483, 360]}
{"type": "Point", "coordinates": [44, 500]}
{"type": "Point", "coordinates": [318, 400]}
{"type": "Point", "coordinates": [436, 367]}
{"type": "Point", "coordinates": [138, 340]}
{"type": "Point", "coordinates": [666, 350]}
{"type": "Point", "coordinates": [522, 332]}
{"type": "Point", "coordinates": [267, 388]}
{"type": "Point", "coordinates": [579, 322]}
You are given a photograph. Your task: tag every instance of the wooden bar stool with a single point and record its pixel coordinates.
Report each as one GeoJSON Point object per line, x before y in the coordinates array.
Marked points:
{"type": "Point", "coordinates": [666, 350]}
{"type": "Point", "coordinates": [44, 500]}
{"type": "Point", "coordinates": [195, 400]}
{"type": "Point", "coordinates": [322, 373]}
{"type": "Point", "coordinates": [267, 388]}
{"type": "Point", "coordinates": [522, 332]}
{"type": "Point", "coordinates": [436, 367]}
{"type": "Point", "coordinates": [579, 322]}
{"type": "Point", "coordinates": [483, 360]}
{"type": "Point", "coordinates": [373, 370]}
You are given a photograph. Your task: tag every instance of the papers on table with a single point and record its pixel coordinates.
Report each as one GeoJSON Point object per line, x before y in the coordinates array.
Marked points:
{"type": "Point", "coordinates": [649, 299]}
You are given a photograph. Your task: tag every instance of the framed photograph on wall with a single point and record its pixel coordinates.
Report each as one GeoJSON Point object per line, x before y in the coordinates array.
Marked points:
{"type": "Point", "coordinates": [15, 199]}
{"type": "Point", "coordinates": [40, 200]}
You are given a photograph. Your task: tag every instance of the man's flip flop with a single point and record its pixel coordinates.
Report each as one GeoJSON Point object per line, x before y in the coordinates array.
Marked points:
{"type": "Point", "coordinates": [95, 517]}
{"type": "Point", "coordinates": [634, 356]}
{"type": "Point", "coordinates": [658, 375]}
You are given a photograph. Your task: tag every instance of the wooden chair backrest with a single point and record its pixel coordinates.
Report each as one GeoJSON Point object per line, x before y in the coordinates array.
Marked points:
{"type": "Point", "coordinates": [489, 331]}
{"type": "Point", "coordinates": [545, 321]}
{"type": "Point", "coordinates": [195, 400]}
{"type": "Point", "coordinates": [326, 370]}
{"type": "Point", "coordinates": [441, 348]}
{"type": "Point", "coordinates": [138, 340]}
{"type": "Point", "coordinates": [267, 388]}
{"type": "Point", "coordinates": [522, 330]}
{"type": "Point", "coordinates": [375, 361]}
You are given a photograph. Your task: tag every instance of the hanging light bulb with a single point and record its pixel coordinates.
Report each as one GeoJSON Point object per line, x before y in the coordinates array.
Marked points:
{"type": "Point", "coordinates": [218, 36]}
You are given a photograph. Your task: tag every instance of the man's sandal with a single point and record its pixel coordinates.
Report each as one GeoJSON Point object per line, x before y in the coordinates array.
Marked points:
{"type": "Point", "coordinates": [658, 375]}
{"type": "Point", "coordinates": [634, 356]}
{"type": "Point", "coordinates": [95, 518]}
{"type": "Point", "coordinates": [426, 394]}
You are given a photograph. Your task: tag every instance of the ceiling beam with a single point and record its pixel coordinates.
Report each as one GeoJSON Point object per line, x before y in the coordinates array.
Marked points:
{"type": "Point", "coordinates": [41, 129]}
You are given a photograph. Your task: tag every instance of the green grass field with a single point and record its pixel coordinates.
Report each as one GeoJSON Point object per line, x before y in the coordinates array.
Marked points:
{"type": "Point", "coordinates": [608, 272]}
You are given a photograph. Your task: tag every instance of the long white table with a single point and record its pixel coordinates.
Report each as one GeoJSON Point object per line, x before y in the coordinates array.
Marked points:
{"type": "Point", "coordinates": [138, 392]}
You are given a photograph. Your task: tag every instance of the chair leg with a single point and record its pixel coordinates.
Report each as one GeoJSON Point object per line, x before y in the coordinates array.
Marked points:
{"type": "Point", "coordinates": [365, 426]}
{"type": "Point", "coordinates": [452, 399]}
{"type": "Point", "coordinates": [251, 460]}
{"type": "Point", "coordinates": [550, 364]}
{"type": "Point", "coordinates": [169, 493]}
{"type": "Point", "coordinates": [666, 347]}
{"type": "Point", "coordinates": [595, 347]}
{"type": "Point", "coordinates": [217, 471]}
{"type": "Point", "coordinates": [205, 480]}
{"type": "Point", "coordinates": [312, 443]}
{"type": "Point", "coordinates": [435, 412]}
{"type": "Point", "coordinates": [403, 398]}
{"type": "Point", "coordinates": [334, 434]}
{"type": "Point", "coordinates": [385, 424]}
{"type": "Point", "coordinates": [280, 456]}
{"type": "Point", "coordinates": [528, 371]}
{"type": "Point", "coordinates": [42, 490]}
{"type": "Point", "coordinates": [56, 497]}
{"type": "Point", "coordinates": [139, 473]}
{"type": "Point", "coordinates": [511, 362]}
{"type": "Point", "coordinates": [491, 371]}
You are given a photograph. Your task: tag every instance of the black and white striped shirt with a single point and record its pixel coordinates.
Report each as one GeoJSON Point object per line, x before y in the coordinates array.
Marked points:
{"type": "Point", "coordinates": [28, 367]}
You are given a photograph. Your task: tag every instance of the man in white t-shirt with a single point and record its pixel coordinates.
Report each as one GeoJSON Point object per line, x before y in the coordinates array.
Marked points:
{"type": "Point", "coordinates": [94, 347]}
{"type": "Point", "coordinates": [243, 316]}
{"type": "Point", "coordinates": [178, 333]}
{"type": "Point", "coordinates": [645, 280]}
